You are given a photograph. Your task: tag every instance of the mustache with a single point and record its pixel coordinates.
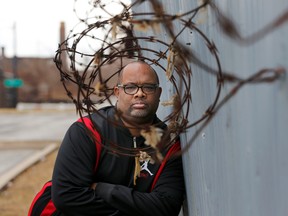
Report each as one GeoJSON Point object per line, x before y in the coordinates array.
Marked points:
{"type": "Point", "coordinates": [139, 102]}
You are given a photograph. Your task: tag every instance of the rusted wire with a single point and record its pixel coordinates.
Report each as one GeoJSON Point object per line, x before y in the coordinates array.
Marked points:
{"type": "Point", "coordinates": [110, 40]}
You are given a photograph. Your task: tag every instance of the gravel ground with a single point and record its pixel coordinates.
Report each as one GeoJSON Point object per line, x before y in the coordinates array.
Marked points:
{"type": "Point", "coordinates": [16, 198]}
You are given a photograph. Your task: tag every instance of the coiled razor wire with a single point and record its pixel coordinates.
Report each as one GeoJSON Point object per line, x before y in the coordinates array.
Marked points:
{"type": "Point", "coordinates": [108, 42]}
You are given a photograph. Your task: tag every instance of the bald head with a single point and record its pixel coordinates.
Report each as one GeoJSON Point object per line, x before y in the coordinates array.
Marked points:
{"type": "Point", "coordinates": [135, 66]}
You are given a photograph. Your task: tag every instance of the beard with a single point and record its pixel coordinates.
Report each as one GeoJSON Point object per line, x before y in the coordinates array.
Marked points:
{"type": "Point", "coordinates": [140, 113]}
{"type": "Point", "coordinates": [140, 116]}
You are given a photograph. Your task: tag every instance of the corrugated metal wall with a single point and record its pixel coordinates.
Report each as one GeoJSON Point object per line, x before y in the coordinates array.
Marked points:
{"type": "Point", "coordinates": [239, 166]}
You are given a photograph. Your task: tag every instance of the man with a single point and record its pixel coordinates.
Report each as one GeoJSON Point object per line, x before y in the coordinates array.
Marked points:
{"type": "Point", "coordinates": [117, 187]}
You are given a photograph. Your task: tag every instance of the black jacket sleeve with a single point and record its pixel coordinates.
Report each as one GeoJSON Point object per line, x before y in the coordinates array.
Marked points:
{"type": "Point", "coordinates": [73, 175]}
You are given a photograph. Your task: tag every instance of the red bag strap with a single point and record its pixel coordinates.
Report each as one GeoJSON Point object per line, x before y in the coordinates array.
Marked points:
{"type": "Point", "coordinates": [38, 195]}
{"type": "Point", "coordinates": [87, 122]}
{"type": "Point", "coordinates": [173, 149]}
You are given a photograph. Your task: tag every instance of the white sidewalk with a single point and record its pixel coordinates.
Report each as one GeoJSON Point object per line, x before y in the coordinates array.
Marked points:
{"type": "Point", "coordinates": [28, 134]}
{"type": "Point", "coordinates": [16, 159]}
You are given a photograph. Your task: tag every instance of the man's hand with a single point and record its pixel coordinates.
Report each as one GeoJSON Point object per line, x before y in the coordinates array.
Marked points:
{"type": "Point", "coordinates": [93, 186]}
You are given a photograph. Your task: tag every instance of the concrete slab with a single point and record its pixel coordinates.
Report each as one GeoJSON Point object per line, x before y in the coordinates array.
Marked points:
{"type": "Point", "coordinates": [15, 160]}
{"type": "Point", "coordinates": [10, 157]}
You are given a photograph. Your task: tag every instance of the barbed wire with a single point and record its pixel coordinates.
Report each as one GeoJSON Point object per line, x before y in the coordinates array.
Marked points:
{"type": "Point", "coordinates": [109, 40]}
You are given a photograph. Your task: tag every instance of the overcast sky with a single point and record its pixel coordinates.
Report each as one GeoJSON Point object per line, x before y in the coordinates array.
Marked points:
{"type": "Point", "coordinates": [37, 24]}
{"type": "Point", "coordinates": [31, 27]}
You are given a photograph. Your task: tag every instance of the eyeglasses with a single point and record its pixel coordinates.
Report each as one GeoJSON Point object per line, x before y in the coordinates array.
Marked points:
{"type": "Point", "coordinates": [132, 89]}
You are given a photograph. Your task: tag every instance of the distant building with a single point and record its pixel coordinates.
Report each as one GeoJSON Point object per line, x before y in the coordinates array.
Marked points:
{"type": "Point", "coordinates": [41, 79]}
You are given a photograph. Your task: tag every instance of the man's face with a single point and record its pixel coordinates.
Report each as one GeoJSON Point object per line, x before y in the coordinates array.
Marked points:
{"type": "Point", "coordinates": [139, 107]}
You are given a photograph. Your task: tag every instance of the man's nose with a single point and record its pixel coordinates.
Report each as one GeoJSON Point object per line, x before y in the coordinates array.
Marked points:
{"type": "Point", "coordinates": [140, 93]}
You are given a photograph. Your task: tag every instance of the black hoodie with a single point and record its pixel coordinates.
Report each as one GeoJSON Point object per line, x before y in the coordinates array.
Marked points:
{"type": "Point", "coordinates": [115, 193]}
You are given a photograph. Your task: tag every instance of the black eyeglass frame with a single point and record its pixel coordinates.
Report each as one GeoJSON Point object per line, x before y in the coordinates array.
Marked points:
{"type": "Point", "coordinates": [150, 86]}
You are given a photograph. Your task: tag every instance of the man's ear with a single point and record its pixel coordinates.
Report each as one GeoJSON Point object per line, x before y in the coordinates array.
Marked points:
{"type": "Point", "coordinates": [116, 91]}
{"type": "Point", "coordinates": [160, 91]}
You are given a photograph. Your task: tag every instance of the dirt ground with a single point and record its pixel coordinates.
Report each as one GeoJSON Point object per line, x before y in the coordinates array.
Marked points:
{"type": "Point", "coordinates": [16, 198]}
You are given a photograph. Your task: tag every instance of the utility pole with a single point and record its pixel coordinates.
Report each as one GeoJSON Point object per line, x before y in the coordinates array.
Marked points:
{"type": "Point", "coordinates": [15, 66]}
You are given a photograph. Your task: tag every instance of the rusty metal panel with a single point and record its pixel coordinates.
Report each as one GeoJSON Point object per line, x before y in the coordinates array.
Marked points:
{"type": "Point", "coordinates": [238, 165]}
